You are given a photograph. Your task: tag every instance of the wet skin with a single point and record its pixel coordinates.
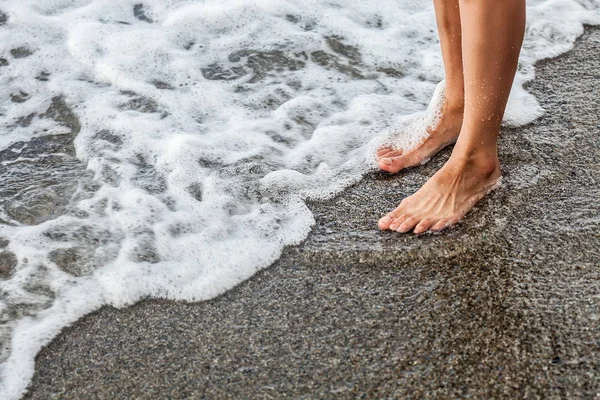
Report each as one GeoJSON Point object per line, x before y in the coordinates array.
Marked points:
{"type": "Point", "coordinates": [443, 134]}
{"type": "Point", "coordinates": [480, 44]}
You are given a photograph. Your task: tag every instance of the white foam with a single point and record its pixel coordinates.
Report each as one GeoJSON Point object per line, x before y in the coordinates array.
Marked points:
{"type": "Point", "coordinates": [212, 174]}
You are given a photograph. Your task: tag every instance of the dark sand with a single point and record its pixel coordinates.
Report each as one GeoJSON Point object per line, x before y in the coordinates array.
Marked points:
{"type": "Point", "coordinates": [505, 305]}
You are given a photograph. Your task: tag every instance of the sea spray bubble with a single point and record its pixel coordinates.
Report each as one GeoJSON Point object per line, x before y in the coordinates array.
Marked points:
{"type": "Point", "coordinates": [166, 149]}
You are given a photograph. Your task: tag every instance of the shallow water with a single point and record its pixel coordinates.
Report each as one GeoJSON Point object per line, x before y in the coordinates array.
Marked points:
{"type": "Point", "coordinates": [166, 149]}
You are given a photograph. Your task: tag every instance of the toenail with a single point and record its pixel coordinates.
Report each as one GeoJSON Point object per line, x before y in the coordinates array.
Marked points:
{"type": "Point", "coordinates": [386, 161]}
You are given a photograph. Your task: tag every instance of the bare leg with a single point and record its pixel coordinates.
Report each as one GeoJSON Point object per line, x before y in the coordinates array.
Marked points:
{"type": "Point", "coordinates": [491, 42]}
{"type": "Point", "coordinates": [446, 131]}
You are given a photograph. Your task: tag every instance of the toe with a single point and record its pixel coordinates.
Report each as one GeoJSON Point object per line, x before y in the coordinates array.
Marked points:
{"type": "Point", "coordinates": [423, 226]}
{"type": "Point", "coordinates": [384, 222]}
{"type": "Point", "coordinates": [454, 221]}
{"type": "Point", "coordinates": [398, 221]}
{"type": "Point", "coordinates": [394, 218]}
{"type": "Point", "coordinates": [385, 150]}
{"type": "Point", "coordinates": [389, 154]}
{"type": "Point", "coordinates": [407, 225]}
{"type": "Point", "coordinates": [392, 165]}
{"type": "Point", "coordinates": [440, 225]}
{"type": "Point", "coordinates": [387, 220]}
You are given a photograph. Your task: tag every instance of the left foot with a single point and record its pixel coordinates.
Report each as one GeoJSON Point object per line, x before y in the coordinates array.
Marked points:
{"type": "Point", "coordinates": [447, 196]}
{"type": "Point", "coordinates": [445, 132]}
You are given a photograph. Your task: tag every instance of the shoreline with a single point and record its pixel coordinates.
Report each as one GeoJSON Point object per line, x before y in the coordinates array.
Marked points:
{"type": "Point", "coordinates": [504, 305]}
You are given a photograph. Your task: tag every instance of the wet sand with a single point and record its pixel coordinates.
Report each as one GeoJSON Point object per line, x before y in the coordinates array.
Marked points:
{"type": "Point", "coordinates": [505, 305]}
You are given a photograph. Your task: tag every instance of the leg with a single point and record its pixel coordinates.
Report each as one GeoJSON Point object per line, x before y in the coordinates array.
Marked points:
{"type": "Point", "coordinates": [448, 20]}
{"type": "Point", "coordinates": [492, 37]}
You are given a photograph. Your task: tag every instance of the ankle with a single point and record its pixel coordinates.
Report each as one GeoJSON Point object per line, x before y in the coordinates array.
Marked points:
{"type": "Point", "coordinates": [454, 106]}
{"type": "Point", "coordinates": [483, 159]}
{"type": "Point", "coordinates": [454, 100]}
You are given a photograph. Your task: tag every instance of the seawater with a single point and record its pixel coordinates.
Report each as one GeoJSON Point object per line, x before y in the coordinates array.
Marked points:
{"type": "Point", "coordinates": [166, 148]}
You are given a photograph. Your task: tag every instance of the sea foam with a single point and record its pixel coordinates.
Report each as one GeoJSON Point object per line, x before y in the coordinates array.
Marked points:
{"type": "Point", "coordinates": [201, 128]}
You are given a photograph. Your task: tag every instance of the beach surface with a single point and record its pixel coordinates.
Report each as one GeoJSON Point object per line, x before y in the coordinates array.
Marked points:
{"type": "Point", "coordinates": [505, 305]}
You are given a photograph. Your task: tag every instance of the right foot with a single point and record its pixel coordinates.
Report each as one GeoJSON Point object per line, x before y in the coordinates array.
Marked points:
{"type": "Point", "coordinates": [444, 133]}
{"type": "Point", "coordinates": [449, 194]}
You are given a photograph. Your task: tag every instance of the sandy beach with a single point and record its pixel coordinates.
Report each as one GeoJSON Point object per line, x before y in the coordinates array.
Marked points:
{"type": "Point", "coordinates": [505, 305]}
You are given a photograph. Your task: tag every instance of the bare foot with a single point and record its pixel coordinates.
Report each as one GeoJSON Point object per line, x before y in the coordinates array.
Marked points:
{"type": "Point", "coordinates": [447, 196]}
{"type": "Point", "coordinates": [444, 133]}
